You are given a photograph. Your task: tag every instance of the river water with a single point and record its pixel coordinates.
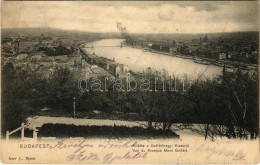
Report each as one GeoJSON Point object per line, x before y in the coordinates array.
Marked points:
{"type": "Point", "coordinates": [139, 60]}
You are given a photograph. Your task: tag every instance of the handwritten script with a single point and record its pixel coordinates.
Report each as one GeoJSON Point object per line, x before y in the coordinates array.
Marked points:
{"type": "Point", "coordinates": [235, 155]}
{"type": "Point", "coordinates": [82, 151]}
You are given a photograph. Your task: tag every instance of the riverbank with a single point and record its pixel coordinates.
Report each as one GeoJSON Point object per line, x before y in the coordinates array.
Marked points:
{"type": "Point", "coordinates": [110, 66]}
{"type": "Point", "coordinates": [139, 61]}
{"type": "Point", "coordinates": [204, 61]}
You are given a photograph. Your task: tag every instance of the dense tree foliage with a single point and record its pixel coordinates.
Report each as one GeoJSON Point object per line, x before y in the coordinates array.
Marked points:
{"type": "Point", "coordinates": [58, 51]}
{"type": "Point", "coordinates": [224, 106]}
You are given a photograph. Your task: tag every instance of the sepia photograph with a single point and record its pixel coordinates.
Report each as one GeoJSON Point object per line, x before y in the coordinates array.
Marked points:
{"type": "Point", "coordinates": [130, 82]}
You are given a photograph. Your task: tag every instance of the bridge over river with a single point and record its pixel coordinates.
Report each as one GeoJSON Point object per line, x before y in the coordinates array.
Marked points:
{"type": "Point", "coordinates": [103, 46]}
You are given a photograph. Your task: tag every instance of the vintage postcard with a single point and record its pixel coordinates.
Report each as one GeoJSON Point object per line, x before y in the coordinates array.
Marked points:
{"type": "Point", "coordinates": [130, 82]}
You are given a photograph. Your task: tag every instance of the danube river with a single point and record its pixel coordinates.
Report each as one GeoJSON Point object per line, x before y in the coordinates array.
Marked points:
{"type": "Point", "coordinates": [139, 60]}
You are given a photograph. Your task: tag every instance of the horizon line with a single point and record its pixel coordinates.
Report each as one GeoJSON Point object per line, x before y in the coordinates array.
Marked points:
{"type": "Point", "coordinates": [128, 32]}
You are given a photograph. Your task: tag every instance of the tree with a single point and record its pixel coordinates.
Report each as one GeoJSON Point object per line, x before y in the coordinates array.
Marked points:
{"type": "Point", "coordinates": [15, 107]}
{"type": "Point", "coordinates": [227, 105]}
{"type": "Point", "coordinates": [241, 99]}
{"type": "Point", "coordinates": [61, 88]}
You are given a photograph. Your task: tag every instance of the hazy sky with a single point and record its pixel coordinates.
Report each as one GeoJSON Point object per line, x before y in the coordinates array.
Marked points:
{"type": "Point", "coordinates": [137, 17]}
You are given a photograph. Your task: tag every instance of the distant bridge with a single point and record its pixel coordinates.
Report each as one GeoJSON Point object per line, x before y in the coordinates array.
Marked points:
{"type": "Point", "coordinates": [92, 46]}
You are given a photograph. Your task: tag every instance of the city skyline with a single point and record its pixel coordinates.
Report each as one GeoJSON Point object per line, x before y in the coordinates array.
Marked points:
{"type": "Point", "coordinates": [137, 17]}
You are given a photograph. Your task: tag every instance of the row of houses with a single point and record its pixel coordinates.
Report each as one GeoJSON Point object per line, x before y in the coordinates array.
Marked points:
{"type": "Point", "coordinates": [116, 69]}
{"type": "Point", "coordinates": [40, 57]}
